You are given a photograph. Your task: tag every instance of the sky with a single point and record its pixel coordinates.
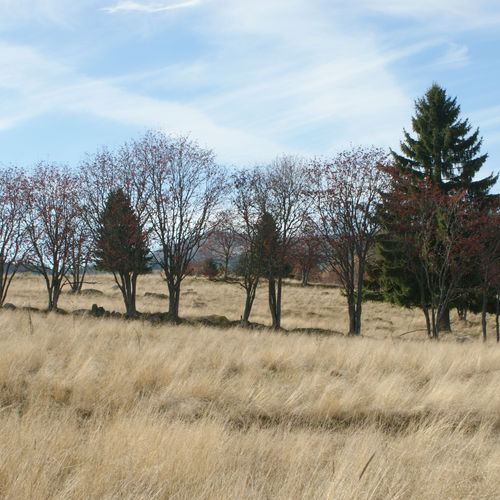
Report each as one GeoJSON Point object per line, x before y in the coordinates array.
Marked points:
{"type": "Point", "coordinates": [250, 79]}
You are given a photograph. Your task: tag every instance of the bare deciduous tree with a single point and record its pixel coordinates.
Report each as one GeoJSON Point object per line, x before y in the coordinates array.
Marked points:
{"type": "Point", "coordinates": [106, 171]}
{"type": "Point", "coordinates": [185, 186]}
{"type": "Point", "coordinates": [285, 184]}
{"type": "Point", "coordinates": [81, 251]}
{"type": "Point", "coordinates": [224, 240]}
{"type": "Point", "coordinates": [245, 194]}
{"type": "Point", "coordinates": [488, 256]}
{"type": "Point", "coordinates": [346, 191]}
{"type": "Point", "coordinates": [308, 250]}
{"type": "Point", "coordinates": [272, 208]}
{"type": "Point", "coordinates": [51, 213]}
{"type": "Point", "coordinates": [12, 230]}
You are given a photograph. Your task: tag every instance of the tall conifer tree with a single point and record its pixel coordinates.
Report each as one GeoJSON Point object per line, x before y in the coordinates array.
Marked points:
{"type": "Point", "coordinates": [446, 151]}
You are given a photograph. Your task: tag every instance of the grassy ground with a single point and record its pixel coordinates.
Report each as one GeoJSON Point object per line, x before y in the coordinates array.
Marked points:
{"type": "Point", "coordinates": [107, 408]}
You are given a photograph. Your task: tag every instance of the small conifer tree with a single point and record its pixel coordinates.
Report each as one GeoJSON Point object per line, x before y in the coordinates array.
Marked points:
{"type": "Point", "coordinates": [121, 246]}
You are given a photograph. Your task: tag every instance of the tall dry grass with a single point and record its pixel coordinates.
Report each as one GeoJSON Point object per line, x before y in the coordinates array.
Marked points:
{"type": "Point", "coordinates": [107, 408]}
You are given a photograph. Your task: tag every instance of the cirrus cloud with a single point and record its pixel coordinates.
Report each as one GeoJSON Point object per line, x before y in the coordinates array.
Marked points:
{"type": "Point", "coordinates": [149, 8]}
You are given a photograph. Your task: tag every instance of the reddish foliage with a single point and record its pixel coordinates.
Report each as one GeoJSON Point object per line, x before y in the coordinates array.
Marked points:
{"type": "Point", "coordinates": [346, 192]}
{"type": "Point", "coordinates": [121, 246]}
{"type": "Point", "coordinates": [52, 210]}
{"type": "Point", "coordinates": [440, 235]}
{"type": "Point", "coordinates": [488, 257]}
{"type": "Point", "coordinates": [105, 172]}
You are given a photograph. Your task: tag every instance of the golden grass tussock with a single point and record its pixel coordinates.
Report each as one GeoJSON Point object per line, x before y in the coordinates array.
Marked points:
{"type": "Point", "coordinates": [109, 408]}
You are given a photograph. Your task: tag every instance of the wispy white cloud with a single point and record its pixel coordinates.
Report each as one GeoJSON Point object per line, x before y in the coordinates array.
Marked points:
{"type": "Point", "coordinates": [111, 103]}
{"type": "Point", "coordinates": [59, 13]}
{"type": "Point", "coordinates": [250, 78]}
{"type": "Point", "coordinates": [443, 14]}
{"type": "Point", "coordinates": [455, 55]}
{"type": "Point", "coordinates": [297, 67]}
{"type": "Point", "coordinates": [147, 7]}
{"type": "Point", "coordinates": [44, 86]}
{"type": "Point", "coordinates": [313, 74]}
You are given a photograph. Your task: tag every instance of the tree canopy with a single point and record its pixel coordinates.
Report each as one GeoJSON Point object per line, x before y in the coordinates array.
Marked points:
{"type": "Point", "coordinates": [444, 149]}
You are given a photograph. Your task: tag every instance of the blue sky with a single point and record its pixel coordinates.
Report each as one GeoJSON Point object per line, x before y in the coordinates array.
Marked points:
{"type": "Point", "coordinates": [250, 79]}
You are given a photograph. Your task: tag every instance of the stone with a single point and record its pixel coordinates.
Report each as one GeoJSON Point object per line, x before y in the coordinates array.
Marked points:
{"type": "Point", "coordinates": [97, 311]}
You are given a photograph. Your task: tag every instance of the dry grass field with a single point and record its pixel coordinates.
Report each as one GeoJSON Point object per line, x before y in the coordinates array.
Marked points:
{"type": "Point", "coordinates": [109, 408]}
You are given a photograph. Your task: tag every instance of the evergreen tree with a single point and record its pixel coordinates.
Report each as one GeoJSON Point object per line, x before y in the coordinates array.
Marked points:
{"type": "Point", "coordinates": [121, 246]}
{"type": "Point", "coordinates": [445, 151]}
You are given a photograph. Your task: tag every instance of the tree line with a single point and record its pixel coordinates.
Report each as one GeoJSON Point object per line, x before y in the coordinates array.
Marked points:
{"type": "Point", "coordinates": [414, 228]}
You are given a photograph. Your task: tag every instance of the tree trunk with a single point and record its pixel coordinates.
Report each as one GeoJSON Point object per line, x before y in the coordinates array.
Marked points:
{"type": "Point", "coordinates": [359, 297]}
{"type": "Point", "coordinates": [131, 310]}
{"type": "Point", "coordinates": [351, 306]}
{"type": "Point", "coordinates": [74, 283]}
{"type": "Point", "coordinates": [5, 281]}
{"type": "Point", "coordinates": [354, 301]}
{"type": "Point", "coordinates": [305, 275]}
{"type": "Point", "coordinates": [248, 309]}
{"type": "Point", "coordinates": [425, 309]}
{"type": "Point", "coordinates": [483, 310]}
{"type": "Point", "coordinates": [444, 321]}
{"type": "Point", "coordinates": [53, 298]}
{"type": "Point", "coordinates": [278, 301]}
{"type": "Point", "coordinates": [427, 321]}
{"type": "Point", "coordinates": [435, 320]}
{"type": "Point", "coordinates": [128, 287]}
{"type": "Point", "coordinates": [357, 320]}
{"type": "Point", "coordinates": [54, 290]}
{"type": "Point", "coordinates": [497, 314]}
{"type": "Point", "coordinates": [250, 296]}
{"type": "Point", "coordinates": [273, 303]}
{"type": "Point", "coordinates": [3, 291]}
{"type": "Point", "coordinates": [174, 291]}
{"type": "Point", "coordinates": [77, 280]}
{"type": "Point", "coordinates": [50, 305]}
